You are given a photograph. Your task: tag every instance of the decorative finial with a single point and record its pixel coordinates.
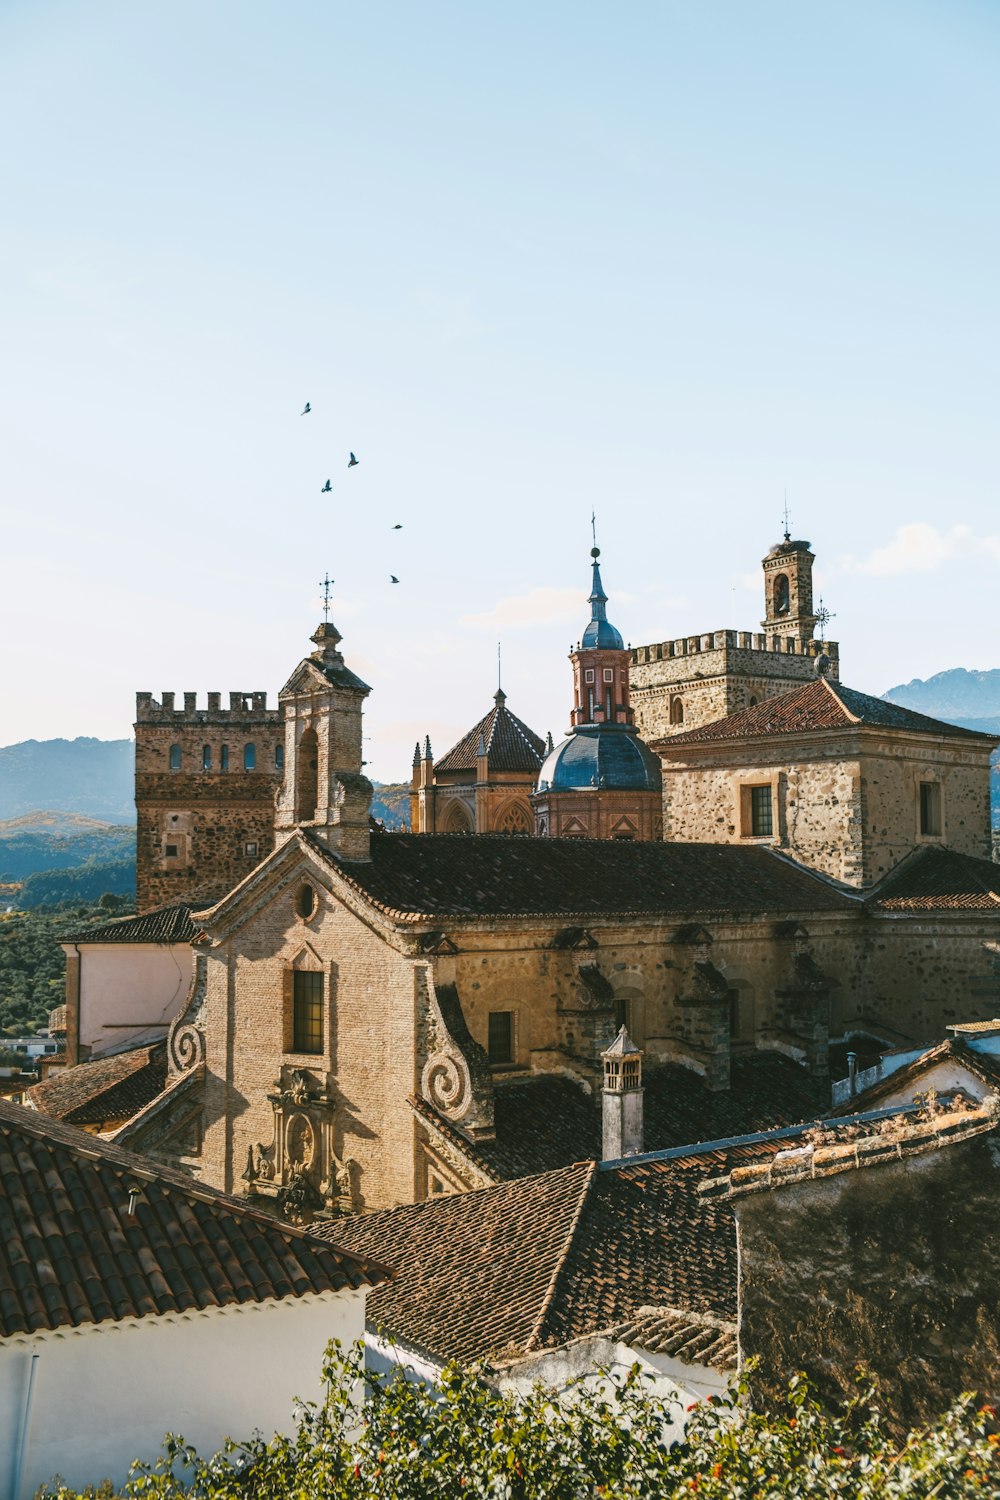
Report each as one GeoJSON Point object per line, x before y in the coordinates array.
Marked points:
{"type": "Point", "coordinates": [326, 584]}
{"type": "Point", "coordinates": [499, 678]}
{"type": "Point", "coordinates": [824, 615]}
{"type": "Point", "coordinates": [593, 534]}
{"type": "Point", "coordinates": [416, 753]}
{"type": "Point", "coordinates": [788, 534]}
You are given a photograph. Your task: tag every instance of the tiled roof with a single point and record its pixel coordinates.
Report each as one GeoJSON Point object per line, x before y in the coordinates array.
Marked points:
{"type": "Point", "coordinates": [548, 1122]}
{"type": "Point", "coordinates": [106, 1091]}
{"type": "Point", "coordinates": [168, 924]}
{"type": "Point", "coordinates": [413, 875]}
{"type": "Point", "coordinates": [510, 744]}
{"type": "Point", "coordinates": [538, 1262]}
{"type": "Point", "coordinates": [663, 1330]}
{"type": "Point", "coordinates": [70, 1253]}
{"type": "Point", "coordinates": [937, 879]}
{"type": "Point", "coordinates": [982, 1065]}
{"type": "Point", "coordinates": [819, 704]}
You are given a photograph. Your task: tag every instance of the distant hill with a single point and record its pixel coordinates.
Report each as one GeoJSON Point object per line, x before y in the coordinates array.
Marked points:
{"type": "Point", "coordinates": [61, 841]}
{"type": "Point", "coordinates": [90, 777]}
{"type": "Point", "coordinates": [391, 803]}
{"type": "Point", "coordinates": [959, 696]}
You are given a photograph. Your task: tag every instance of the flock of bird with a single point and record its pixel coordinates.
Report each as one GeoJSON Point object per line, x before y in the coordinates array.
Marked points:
{"type": "Point", "coordinates": [352, 463]}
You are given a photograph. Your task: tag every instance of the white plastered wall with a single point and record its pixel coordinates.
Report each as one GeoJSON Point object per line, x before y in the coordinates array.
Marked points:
{"type": "Point", "coordinates": [106, 1394]}
{"type": "Point", "coordinates": [130, 992]}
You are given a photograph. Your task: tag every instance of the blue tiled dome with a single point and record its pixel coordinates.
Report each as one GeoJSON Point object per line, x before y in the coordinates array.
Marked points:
{"type": "Point", "coordinates": [600, 633]}
{"type": "Point", "coordinates": [610, 756]}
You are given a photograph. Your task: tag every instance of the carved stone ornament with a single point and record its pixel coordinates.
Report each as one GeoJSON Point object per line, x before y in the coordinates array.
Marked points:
{"type": "Point", "coordinates": [455, 1078]}
{"type": "Point", "coordinates": [446, 1083]}
{"type": "Point", "coordinates": [300, 1169]}
{"type": "Point", "coordinates": [186, 1037]}
{"type": "Point", "coordinates": [298, 1200]}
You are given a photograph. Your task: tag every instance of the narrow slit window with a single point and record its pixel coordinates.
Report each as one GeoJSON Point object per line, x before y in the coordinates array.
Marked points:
{"type": "Point", "coordinates": [930, 809]}
{"type": "Point", "coordinates": [501, 1036]}
{"type": "Point", "coordinates": [224, 758]}
{"type": "Point", "coordinates": [307, 1012]}
{"type": "Point", "coordinates": [175, 757]}
{"type": "Point", "coordinates": [206, 757]}
{"type": "Point", "coordinates": [249, 757]}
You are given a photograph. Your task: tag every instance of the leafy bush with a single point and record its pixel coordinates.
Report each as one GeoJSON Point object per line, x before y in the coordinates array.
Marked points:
{"type": "Point", "coordinates": [463, 1440]}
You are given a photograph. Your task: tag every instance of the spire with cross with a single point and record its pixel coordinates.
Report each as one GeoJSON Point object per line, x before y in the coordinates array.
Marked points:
{"type": "Point", "coordinates": [326, 584]}
{"type": "Point", "coordinates": [788, 533]}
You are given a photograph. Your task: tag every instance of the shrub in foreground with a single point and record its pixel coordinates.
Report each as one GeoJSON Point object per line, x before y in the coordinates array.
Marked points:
{"type": "Point", "coordinates": [462, 1440]}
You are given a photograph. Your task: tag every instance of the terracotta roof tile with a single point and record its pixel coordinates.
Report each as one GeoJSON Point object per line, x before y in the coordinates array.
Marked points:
{"type": "Point", "coordinates": [107, 1090]}
{"type": "Point", "coordinates": [937, 879]}
{"type": "Point", "coordinates": [983, 1065]}
{"type": "Point", "coordinates": [71, 1255]}
{"type": "Point", "coordinates": [413, 875]}
{"type": "Point", "coordinates": [819, 704]}
{"type": "Point", "coordinates": [510, 744]}
{"type": "Point", "coordinates": [664, 1330]}
{"type": "Point", "coordinates": [167, 924]}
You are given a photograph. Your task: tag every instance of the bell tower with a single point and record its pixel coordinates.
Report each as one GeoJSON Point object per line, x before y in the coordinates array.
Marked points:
{"type": "Point", "coordinates": [788, 591]}
{"type": "Point", "coordinates": [600, 664]}
{"type": "Point", "coordinates": [323, 788]}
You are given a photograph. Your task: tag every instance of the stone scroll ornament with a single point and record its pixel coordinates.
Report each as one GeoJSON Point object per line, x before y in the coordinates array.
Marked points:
{"type": "Point", "coordinates": [446, 1083]}
{"type": "Point", "coordinates": [186, 1037]}
{"type": "Point", "coordinates": [455, 1080]}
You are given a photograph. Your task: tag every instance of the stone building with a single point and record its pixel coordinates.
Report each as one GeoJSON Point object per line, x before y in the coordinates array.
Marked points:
{"type": "Point", "coordinates": [601, 781]}
{"type": "Point", "coordinates": [205, 780]}
{"type": "Point", "coordinates": [680, 684]}
{"type": "Point", "coordinates": [484, 783]}
{"type": "Point", "coordinates": [842, 782]}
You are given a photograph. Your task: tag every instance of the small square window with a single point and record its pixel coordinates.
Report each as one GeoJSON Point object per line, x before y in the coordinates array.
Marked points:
{"type": "Point", "coordinates": [501, 1036]}
{"type": "Point", "coordinates": [250, 849]}
{"type": "Point", "coordinates": [170, 851]}
{"type": "Point", "coordinates": [307, 1011]}
{"type": "Point", "coordinates": [588, 675]}
{"type": "Point", "coordinates": [609, 674]}
{"type": "Point", "coordinates": [930, 809]}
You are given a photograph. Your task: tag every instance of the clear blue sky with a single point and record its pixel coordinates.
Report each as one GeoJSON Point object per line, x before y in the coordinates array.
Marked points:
{"type": "Point", "coordinates": [661, 260]}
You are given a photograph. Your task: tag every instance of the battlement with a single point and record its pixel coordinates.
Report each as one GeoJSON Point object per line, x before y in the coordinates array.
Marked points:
{"type": "Point", "coordinates": [244, 708]}
{"type": "Point", "coordinates": [733, 640]}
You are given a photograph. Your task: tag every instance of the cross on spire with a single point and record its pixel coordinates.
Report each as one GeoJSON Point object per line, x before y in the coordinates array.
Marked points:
{"type": "Point", "coordinates": [788, 534]}
{"type": "Point", "coordinates": [593, 528]}
{"type": "Point", "coordinates": [326, 584]}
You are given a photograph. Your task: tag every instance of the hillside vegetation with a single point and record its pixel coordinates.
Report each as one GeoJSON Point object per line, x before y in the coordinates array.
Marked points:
{"type": "Point", "coordinates": [32, 964]}
{"type": "Point", "coordinates": [93, 777]}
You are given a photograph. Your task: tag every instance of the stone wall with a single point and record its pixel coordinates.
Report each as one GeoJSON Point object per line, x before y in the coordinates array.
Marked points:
{"type": "Point", "coordinates": [717, 674]}
{"type": "Point", "coordinates": [895, 1266]}
{"type": "Point", "coordinates": [206, 814]}
{"type": "Point", "coordinates": [892, 770]}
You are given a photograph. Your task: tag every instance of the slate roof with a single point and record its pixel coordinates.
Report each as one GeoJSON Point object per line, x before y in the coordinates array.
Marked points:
{"type": "Point", "coordinates": [510, 744]}
{"type": "Point", "coordinates": [819, 704]}
{"type": "Point", "coordinates": [536, 1263]}
{"type": "Point", "coordinates": [936, 879]}
{"type": "Point", "coordinates": [416, 875]}
{"type": "Point", "coordinates": [106, 1091]}
{"type": "Point", "coordinates": [547, 1122]}
{"type": "Point", "coordinates": [167, 924]}
{"type": "Point", "coordinates": [70, 1253]}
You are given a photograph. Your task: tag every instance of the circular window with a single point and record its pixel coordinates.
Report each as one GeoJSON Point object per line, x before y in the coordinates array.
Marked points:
{"type": "Point", "coordinates": [306, 903]}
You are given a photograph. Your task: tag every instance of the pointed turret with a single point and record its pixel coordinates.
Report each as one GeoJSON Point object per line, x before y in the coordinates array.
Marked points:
{"type": "Point", "coordinates": [600, 633]}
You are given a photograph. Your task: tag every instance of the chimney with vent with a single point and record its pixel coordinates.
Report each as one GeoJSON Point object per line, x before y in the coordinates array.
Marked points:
{"type": "Point", "coordinates": [621, 1100]}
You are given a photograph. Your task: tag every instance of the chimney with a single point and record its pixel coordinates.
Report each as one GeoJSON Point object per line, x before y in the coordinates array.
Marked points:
{"type": "Point", "coordinates": [621, 1099]}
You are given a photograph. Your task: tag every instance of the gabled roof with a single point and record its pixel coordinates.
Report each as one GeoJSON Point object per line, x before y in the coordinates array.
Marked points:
{"type": "Point", "coordinates": [935, 879]}
{"type": "Point", "coordinates": [819, 704]}
{"type": "Point", "coordinates": [982, 1065]}
{"type": "Point", "coordinates": [535, 1263]}
{"type": "Point", "coordinates": [416, 875]}
{"type": "Point", "coordinates": [510, 744]}
{"type": "Point", "coordinates": [548, 1121]}
{"type": "Point", "coordinates": [167, 924]}
{"type": "Point", "coordinates": [108, 1090]}
{"type": "Point", "coordinates": [71, 1254]}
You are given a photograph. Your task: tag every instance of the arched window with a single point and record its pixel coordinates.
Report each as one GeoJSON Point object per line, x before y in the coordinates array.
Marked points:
{"type": "Point", "coordinates": [224, 758]}
{"type": "Point", "coordinates": [250, 757]}
{"type": "Point", "coordinates": [206, 757]}
{"type": "Point", "coordinates": [458, 820]}
{"type": "Point", "coordinates": [781, 594]}
{"type": "Point", "coordinates": [307, 781]}
{"type": "Point", "coordinates": [677, 710]}
{"type": "Point", "coordinates": [514, 818]}
{"type": "Point", "coordinates": [753, 702]}
{"type": "Point", "coordinates": [175, 757]}
{"type": "Point", "coordinates": [279, 757]}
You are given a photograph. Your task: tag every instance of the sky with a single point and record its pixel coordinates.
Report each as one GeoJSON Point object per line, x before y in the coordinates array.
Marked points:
{"type": "Point", "coordinates": [663, 262]}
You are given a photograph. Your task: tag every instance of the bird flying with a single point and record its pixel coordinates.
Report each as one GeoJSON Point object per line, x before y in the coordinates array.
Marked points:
{"type": "Point", "coordinates": [398, 526]}
{"type": "Point", "coordinates": [305, 410]}
{"type": "Point", "coordinates": [393, 578]}
{"type": "Point", "coordinates": [353, 461]}
{"type": "Point", "coordinates": [326, 488]}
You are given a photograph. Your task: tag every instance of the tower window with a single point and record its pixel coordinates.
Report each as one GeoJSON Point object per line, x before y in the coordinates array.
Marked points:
{"type": "Point", "coordinates": [307, 1012]}
{"type": "Point", "coordinates": [930, 809]}
{"type": "Point", "coordinates": [224, 758]}
{"type": "Point", "coordinates": [588, 675]}
{"type": "Point", "coordinates": [250, 849]}
{"type": "Point", "coordinates": [250, 757]}
{"type": "Point", "coordinates": [609, 674]}
{"type": "Point", "coordinates": [501, 1037]}
{"type": "Point", "coordinates": [677, 711]}
{"type": "Point", "coordinates": [206, 757]}
{"type": "Point", "coordinates": [175, 757]}
{"type": "Point", "coordinates": [279, 757]}
{"type": "Point", "coordinates": [782, 597]}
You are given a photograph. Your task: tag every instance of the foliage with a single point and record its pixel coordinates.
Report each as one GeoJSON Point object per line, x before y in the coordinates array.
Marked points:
{"type": "Point", "coordinates": [391, 803]}
{"type": "Point", "coordinates": [32, 964]}
{"type": "Point", "coordinates": [461, 1439]}
{"type": "Point", "coordinates": [50, 841]}
{"type": "Point", "coordinates": [87, 882]}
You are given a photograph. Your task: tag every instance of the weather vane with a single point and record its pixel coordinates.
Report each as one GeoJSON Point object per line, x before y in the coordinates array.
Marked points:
{"type": "Point", "coordinates": [499, 678]}
{"type": "Point", "coordinates": [326, 584]}
{"type": "Point", "coordinates": [788, 534]}
{"type": "Point", "coordinates": [593, 533]}
{"type": "Point", "coordinates": [824, 615]}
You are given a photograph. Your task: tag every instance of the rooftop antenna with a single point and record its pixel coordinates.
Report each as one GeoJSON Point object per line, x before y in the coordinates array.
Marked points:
{"type": "Point", "coordinates": [788, 534]}
{"type": "Point", "coordinates": [326, 584]}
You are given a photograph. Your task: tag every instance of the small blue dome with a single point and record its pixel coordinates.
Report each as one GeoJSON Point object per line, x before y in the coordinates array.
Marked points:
{"type": "Point", "coordinates": [603, 635]}
{"type": "Point", "coordinates": [609, 756]}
